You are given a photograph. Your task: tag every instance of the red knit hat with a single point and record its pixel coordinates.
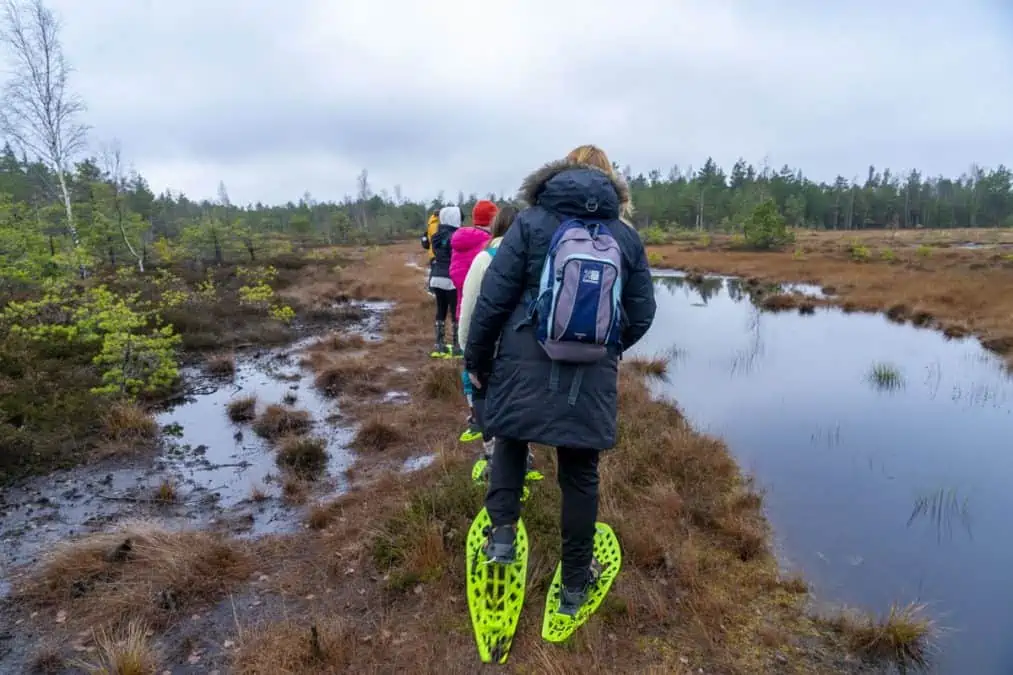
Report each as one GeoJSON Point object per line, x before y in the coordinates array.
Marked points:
{"type": "Point", "coordinates": [483, 213]}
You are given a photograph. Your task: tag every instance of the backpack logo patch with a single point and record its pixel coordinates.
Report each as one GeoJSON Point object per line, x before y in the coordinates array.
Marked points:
{"type": "Point", "coordinates": [591, 276]}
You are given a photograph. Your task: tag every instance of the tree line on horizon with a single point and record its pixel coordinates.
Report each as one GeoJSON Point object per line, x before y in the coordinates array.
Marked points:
{"type": "Point", "coordinates": [118, 218]}
{"type": "Point", "coordinates": [61, 209]}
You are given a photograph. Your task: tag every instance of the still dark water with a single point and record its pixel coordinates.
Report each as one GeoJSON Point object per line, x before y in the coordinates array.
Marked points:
{"type": "Point", "coordinates": [881, 490]}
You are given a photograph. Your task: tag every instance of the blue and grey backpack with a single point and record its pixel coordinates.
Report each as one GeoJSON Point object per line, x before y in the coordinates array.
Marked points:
{"type": "Point", "coordinates": [578, 309]}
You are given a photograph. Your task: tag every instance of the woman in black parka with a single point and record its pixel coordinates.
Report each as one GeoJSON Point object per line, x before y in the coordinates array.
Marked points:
{"type": "Point", "coordinates": [503, 355]}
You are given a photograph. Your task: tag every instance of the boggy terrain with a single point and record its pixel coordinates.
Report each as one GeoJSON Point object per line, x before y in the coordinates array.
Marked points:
{"type": "Point", "coordinates": [953, 280]}
{"type": "Point", "coordinates": [374, 582]}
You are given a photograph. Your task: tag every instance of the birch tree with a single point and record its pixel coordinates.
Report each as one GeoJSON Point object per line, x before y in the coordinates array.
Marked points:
{"type": "Point", "coordinates": [112, 161]}
{"type": "Point", "coordinates": [39, 111]}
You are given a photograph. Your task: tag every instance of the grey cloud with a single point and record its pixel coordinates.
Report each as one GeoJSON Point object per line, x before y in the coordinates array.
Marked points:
{"type": "Point", "coordinates": [471, 97]}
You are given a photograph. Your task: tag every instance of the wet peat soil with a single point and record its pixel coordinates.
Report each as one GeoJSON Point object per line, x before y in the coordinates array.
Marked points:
{"type": "Point", "coordinates": [372, 581]}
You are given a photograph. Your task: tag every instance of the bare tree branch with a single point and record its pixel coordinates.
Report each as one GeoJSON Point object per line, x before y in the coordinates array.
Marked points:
{"type": "Point", "coordinates": [111, 154]}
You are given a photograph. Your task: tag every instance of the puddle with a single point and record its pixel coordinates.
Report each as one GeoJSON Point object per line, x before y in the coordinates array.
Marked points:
{"type": "Point", "coordinates": [213, 453]}
{"type": "Point", "coordinates": [212, 462]}
{"type": "Point", "coordinates": [417, 463]}
{"type": "Point", "coordinates": [883, 450]}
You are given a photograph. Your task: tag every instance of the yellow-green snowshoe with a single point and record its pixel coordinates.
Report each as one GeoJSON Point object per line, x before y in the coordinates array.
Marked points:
{"type": "Point", "coordinates": [495, 591]}
{"type": "Point", "coordinates": [558, 627]}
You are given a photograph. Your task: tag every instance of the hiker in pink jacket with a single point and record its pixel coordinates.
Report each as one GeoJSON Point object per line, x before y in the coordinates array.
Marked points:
{"type": "Point", "coordinates": [467, 243]}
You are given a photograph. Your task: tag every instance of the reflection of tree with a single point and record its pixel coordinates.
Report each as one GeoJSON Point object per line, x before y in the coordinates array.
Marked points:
{"type": "Point", "coordinates": [671, 283]}
{"type": "Point", "coordinates": [744, 361]}
{"type": "Point", "coordinates": [707, 287]}
{"type": "Point", "coordinates": [735, 289]}
{"type": "Point", "coordinates": [942, 508]}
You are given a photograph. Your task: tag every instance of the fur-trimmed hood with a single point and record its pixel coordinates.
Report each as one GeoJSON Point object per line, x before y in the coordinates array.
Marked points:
{"type": "Point", "coordinates": [535, 183]}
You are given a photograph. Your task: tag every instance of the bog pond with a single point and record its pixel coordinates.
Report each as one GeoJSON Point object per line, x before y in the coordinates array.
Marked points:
{"type": "Point", "coordinates": [883, 450]}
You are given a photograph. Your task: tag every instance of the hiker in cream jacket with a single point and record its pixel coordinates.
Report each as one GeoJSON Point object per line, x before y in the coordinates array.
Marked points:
{"type": "Point", "coordinates": [473, 280]}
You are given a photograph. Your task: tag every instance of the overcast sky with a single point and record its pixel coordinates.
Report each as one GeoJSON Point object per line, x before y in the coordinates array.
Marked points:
{"type": "Point", "coordinates": [280, 97]}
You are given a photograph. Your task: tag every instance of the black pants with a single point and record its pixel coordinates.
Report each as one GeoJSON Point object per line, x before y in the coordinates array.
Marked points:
{"type": "Point", "coordinates": [446, 301]}
{"type": "Point", "coordinates": [578, 481]}
{"type": "Point", "coordinates": [478, 409]}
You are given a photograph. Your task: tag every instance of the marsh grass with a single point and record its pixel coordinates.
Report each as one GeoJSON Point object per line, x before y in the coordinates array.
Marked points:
{"type": "Point", "coordinates": [779, 302]}
{"type": "Point", "coordinates": [357, 376]}
{"type": "Point", "coordinates": [885, 377]}
{"type": "Point", "coordinates": [124, 652]}
{"type": "Point", "coordinates": [441, 381]}
{"type": "Point", "coordinates": [166, 492]}
{"type": "Point", "coordinates": [303, 455]}
{"type": "Point", "coordinates": [242, 409]}
{"type": "Point", "coordinates": [904, 638]}
{"type": "Point", "coordinates": [128, 422]}
{"type": "Point", "coordinates": [221, 365]}
{"type": "Point", "coordinates": [650, 366]}
{"type": "Point", "coordinates": [140, 571]}
{"type": "Point", "coordinates": [376, 435]}
{"type": "Point", "coordinates": [314, 644]}
{"type": "Point", "coordinates": [277, 421]}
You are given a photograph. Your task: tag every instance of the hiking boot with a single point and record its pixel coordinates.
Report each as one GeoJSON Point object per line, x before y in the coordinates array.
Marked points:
{"type": "Point", "coordinates": [499, 544]}
{"type": "Point", "coordinates": [440, 348]}
{"type": "Point", "coordinates": [531, 473]}
{"type": "Point", "coordinates": [472, 433]}
{"type": "Point", "coordinates": [455, 349]}
{"type": "Point", "coordinates": [572, 599]}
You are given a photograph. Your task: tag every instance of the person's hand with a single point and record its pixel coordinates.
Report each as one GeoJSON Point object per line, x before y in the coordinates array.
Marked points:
{"type": "Point", "coordinates": [477, 383]}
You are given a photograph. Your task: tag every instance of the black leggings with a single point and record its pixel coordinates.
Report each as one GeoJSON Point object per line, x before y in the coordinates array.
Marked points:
{"type": "Point", "coordinates": [446, 301]}
{"type": "Point", "coordinates": [578, 480]}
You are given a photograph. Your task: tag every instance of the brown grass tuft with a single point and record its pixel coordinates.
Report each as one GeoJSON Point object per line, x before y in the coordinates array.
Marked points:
{"type": "Point", "coordinates": [353, 376]}
{"type": "Point", "coordinates": [956, 330]}
{"type": "Point", "coordinates": [304, 455]}
{"type": "Point", "coordinates": [128, 423]}
{"type": "Point", "coordinates": [1002, 344]}
{"type": "Point", "coordinates": [139, 572]}
{"type": "Point", "coordinates": [221, 365]}
{"type": "Point", "coordinates": [376, 435]}
{"type": "Point", "coordinates": [898, 313]}
{"type": "Point", "coordinates": [922, 318]}
{"type": "Point", "coordinates": [243, 409]}
{"type": "Point", "coordinates": [441, 381]}
{"type": "Point", "coordinates": [277, 421]}
{"type": "Point", "coordinates": [166, 492]}
{"type": "Point", "coordinates": [779, 302]}
{"type": "Point", "coordinates": [294, 489]}
{"type": "Point", "coordinates": [795, 583]}
{"type": "Point", "coordinates": [653, 367]}
{"type": "Point", "coordinates": [258, 494]}
{"type": "Point", "coordinates": [325, 645]}
{"type": "Point", "coordinates": [902, 638]}
{"type": "Point", "coordinates": [344, 341]}
{"type": "Point", "coordinates": [125, 653]}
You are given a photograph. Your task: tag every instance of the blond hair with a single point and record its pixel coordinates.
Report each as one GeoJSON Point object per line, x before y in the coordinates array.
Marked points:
{"type": "Point", "coordinates": [591, 155]}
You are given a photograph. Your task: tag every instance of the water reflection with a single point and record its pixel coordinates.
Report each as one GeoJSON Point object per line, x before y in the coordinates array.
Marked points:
{"type": "Point", "coordinates": [942, 508]}
{"type": "Point", "coordinates": [840, 459]}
